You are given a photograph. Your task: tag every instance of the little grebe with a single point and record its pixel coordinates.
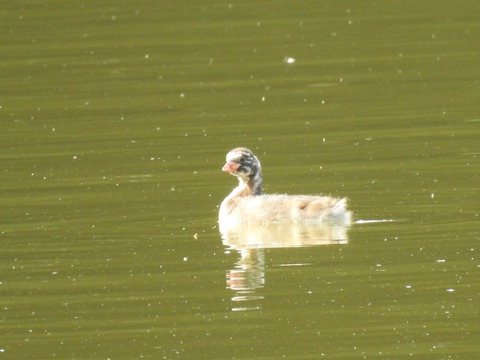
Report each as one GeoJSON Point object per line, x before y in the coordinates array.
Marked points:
{"type": "Point", "coordinates": [247, 204]}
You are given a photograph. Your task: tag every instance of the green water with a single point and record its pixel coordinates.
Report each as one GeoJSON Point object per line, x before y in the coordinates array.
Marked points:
{"type": "Point", "coordinates": [116, 119]}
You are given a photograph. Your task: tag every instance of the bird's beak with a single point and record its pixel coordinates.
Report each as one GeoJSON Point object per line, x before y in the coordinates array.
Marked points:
{"type": "Point", "coordinates": [230, 166]}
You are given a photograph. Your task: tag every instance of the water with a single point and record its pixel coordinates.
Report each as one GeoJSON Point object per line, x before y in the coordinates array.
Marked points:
{"type": "Point", "coordinates": [116, 120]}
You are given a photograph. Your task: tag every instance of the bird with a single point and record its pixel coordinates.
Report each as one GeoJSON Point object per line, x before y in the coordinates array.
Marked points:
{"type": "Point", "coordinates": [247, 204]}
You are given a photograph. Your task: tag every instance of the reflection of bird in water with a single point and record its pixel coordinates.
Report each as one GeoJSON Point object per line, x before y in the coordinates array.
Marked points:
{"type": "Point", "coordinates": [259, 235]}
{"type": "Point", "coordinates": [248, 272]}
{"type": "Point", "coordinates": [247, 204]}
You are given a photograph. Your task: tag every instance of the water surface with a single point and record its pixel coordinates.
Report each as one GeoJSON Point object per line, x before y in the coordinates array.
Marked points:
{"type": "Point", "coordinates": [116, 120]}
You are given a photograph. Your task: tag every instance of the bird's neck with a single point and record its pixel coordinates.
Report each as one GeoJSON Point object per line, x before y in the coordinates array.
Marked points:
{"type": "Point", "coordinates": [248, 187]}
{"type": "Point", "coordinates": [255, 184]}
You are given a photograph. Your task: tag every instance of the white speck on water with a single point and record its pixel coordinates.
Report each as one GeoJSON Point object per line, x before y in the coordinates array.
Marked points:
{"type": "Point", "coordinates": [289, 60]}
